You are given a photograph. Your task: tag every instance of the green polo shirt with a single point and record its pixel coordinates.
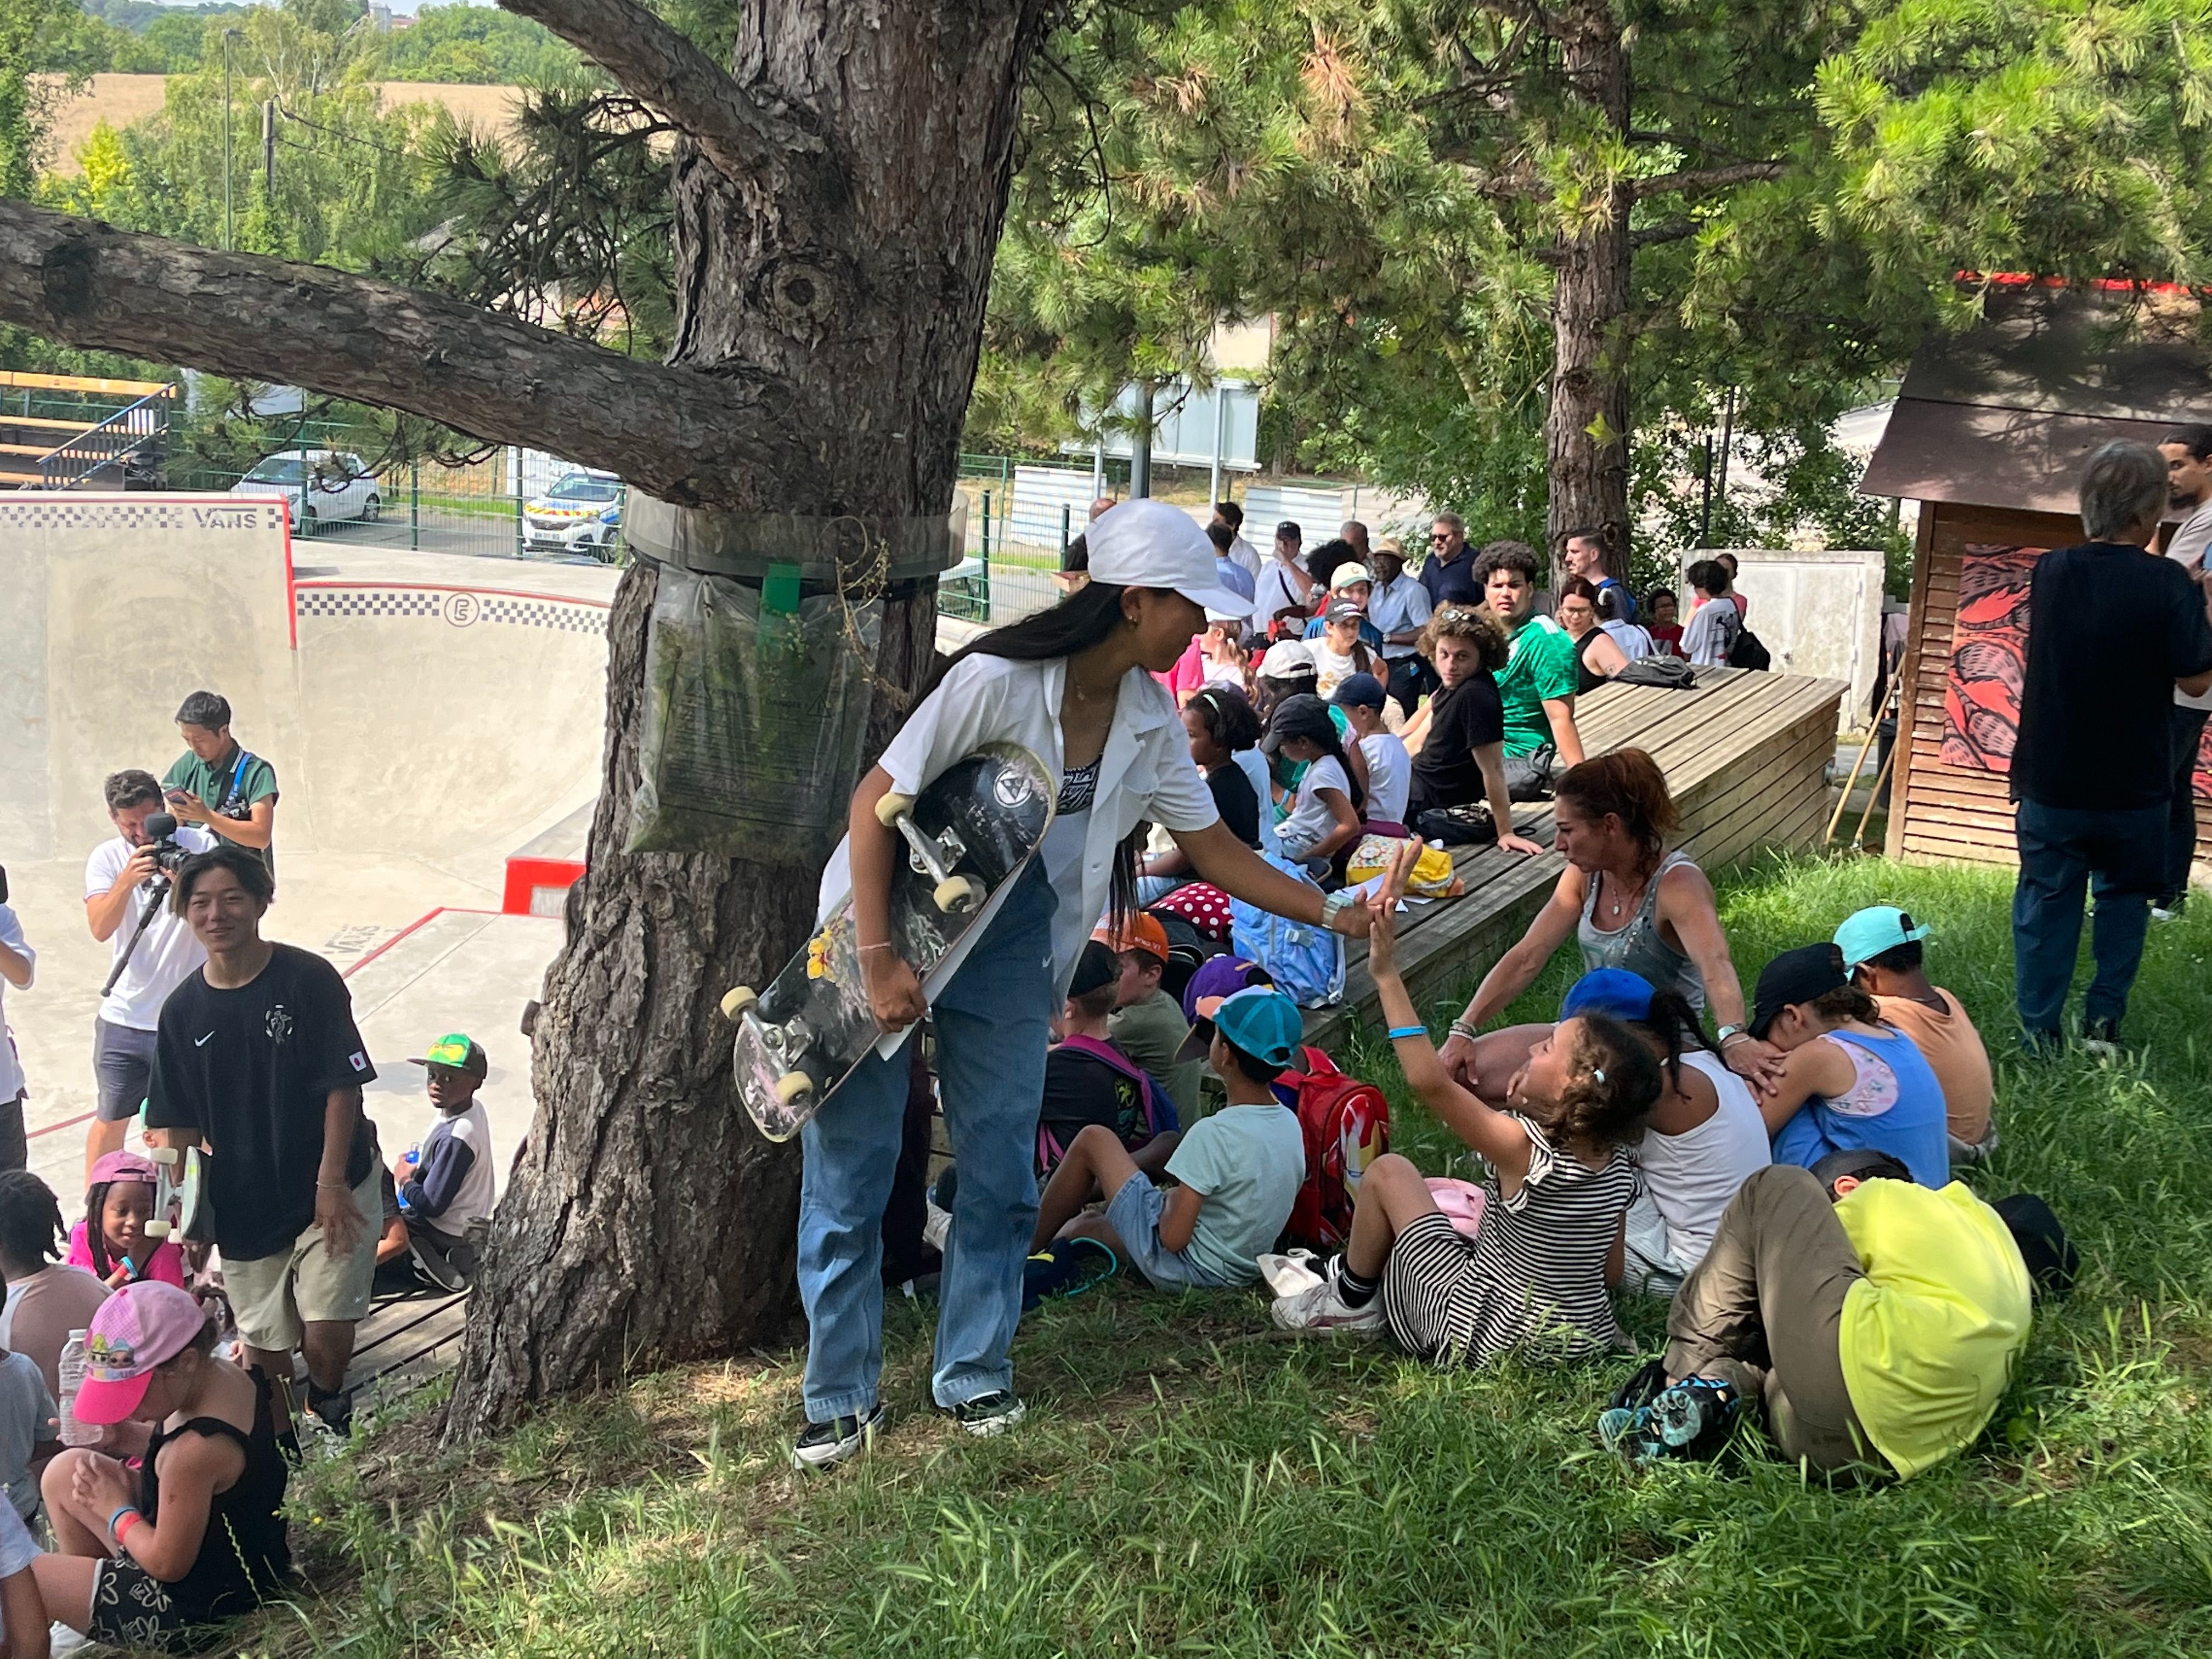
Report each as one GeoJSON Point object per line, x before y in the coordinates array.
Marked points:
{"type": "Point", "coordinates": [255, 781]}
{"type": "Point", "coordinates": [1542, 667]}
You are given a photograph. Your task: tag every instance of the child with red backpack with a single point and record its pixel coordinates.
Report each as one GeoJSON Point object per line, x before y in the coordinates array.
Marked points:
{"type": "Point", "coordinates": [1241, 1169]}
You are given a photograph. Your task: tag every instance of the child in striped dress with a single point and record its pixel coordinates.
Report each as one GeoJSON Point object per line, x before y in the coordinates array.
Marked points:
{"type": "Point", "coordinates": [1551, 1239]}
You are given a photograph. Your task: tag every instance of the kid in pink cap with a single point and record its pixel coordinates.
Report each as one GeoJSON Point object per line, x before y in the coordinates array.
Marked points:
{"type": "Point", "coordinates": [139, 1328]}
{"type": "Point", "coordinates": [111, 1242]}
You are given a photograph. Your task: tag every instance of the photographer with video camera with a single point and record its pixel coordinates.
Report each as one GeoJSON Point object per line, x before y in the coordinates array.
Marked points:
{"type": "Point", "coordinates": [126, 880]}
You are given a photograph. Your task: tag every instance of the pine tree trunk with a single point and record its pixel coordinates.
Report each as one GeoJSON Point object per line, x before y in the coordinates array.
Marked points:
{"type": "Point", "coordinates": [646, 1221]}
{"type": "Point", "coordinates": [1586, 432]}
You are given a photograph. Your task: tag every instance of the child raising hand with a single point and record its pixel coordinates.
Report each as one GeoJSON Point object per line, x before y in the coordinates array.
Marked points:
{"type": "Point", "coordinates": [1561, 1184]}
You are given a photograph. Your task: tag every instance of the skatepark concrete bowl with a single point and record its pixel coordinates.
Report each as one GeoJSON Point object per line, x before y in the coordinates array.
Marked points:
{"type": "Point", "coordinates": [428, 715]}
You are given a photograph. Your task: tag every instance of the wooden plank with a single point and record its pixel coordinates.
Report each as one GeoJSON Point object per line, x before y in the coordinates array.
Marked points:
{"type": "Point", "coordinates": [406, 1335]}
{"type": "Point", "coordinates": [29, 382]}
{"type": "Point", "coordinates": [1916, 649]}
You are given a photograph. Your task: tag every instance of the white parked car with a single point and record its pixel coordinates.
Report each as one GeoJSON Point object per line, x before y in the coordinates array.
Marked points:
{"type": "Point", "coordinates": [323, 485]}
{"type": "Point", "coordinates": [582, 514]}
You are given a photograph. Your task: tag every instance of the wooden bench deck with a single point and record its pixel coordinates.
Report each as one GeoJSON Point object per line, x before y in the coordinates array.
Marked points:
{"type": "Point", "coordinates": [406, 1339]}
{"type": "Point", "coordinates": [1746, 757]}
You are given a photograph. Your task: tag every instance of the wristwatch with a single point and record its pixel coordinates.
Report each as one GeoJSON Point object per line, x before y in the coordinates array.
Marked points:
{"type": "Point", "coordinates": [1335, 905]}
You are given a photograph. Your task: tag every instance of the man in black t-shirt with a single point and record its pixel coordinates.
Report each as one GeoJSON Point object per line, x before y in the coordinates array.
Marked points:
{"type": "Point", "coordinates": [2112, 632]}
{"type": "Point", "coordinates": [1458, 740]}
{"type": "Point", "coordinates": [258, 1060]}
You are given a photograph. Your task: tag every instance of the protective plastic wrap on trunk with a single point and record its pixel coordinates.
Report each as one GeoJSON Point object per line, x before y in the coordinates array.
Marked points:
{"type": "Point", "coordinates": [756, 701]}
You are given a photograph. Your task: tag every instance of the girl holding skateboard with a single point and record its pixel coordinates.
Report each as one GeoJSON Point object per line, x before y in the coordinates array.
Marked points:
{"type": "Point", "coordinates": [1074, 686]}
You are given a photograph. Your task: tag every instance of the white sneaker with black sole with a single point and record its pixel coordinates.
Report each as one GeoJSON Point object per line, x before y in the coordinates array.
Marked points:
{"type": "Point", "coordinates": [1323, 1308]}
{"type": "Point", "coordinates": [989, 1414]}
{"type": "Point", "coordinates": [825, 1445]}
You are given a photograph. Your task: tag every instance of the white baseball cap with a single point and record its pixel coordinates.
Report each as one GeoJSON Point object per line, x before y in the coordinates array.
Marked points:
{"type": "Point", "coordinates": [1148, 543]}
{"type": "Point", "coordinates": [1348, 574]}
{"type": "Point", "coordinates": [1286, 660]}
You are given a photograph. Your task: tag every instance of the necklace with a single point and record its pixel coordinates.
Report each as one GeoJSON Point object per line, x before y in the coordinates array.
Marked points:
{"type": "Point", "coordinates": [1616, 901]}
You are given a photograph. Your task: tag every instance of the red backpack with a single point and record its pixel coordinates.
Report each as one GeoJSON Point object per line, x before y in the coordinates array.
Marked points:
{"type": "Point", "coordinates": [1347, 1125]}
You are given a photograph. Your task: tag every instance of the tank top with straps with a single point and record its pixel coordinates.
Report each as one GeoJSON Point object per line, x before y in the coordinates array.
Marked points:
{"type": "Point", "coordinates": [1638, 946]}
{"type": "Point", "coordinates": [243, 1555]}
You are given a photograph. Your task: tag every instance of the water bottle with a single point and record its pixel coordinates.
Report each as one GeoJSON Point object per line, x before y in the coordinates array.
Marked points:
{"type": "Point", "coordinates": [69, 1372]}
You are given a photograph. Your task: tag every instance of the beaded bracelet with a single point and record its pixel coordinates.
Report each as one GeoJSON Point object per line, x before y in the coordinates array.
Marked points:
{"type": "Point", "coordinates": [1460, 1027]}
{"type": "Point", "coordinates": [1397, 1031]}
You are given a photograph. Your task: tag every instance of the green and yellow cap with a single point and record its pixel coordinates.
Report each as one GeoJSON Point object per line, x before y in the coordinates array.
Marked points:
{"type": "Point", "coordinates": [458, 1050]}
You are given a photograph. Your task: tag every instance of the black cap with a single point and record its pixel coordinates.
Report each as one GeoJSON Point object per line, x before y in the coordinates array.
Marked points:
{"type": "Point", "coordinates": [1798, 976]}
{"type": "Point", "coordinates": [1288, 531]}
{"type": "Point", "coordinates": [1303, 715]}
{"type": "Point", "coordinates": [2052, 1261]}
{"type": "Point", "coordinates": [1359, 692]}
{"type": "Point", "coordinates": [1095, 967]}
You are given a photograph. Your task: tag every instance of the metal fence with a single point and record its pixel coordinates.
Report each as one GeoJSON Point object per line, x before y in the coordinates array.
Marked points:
{"type": "Point", "coordinates": [480, 510]}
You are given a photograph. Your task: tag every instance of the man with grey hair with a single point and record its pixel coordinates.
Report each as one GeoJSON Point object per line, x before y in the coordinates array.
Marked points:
{"type": "Point", "coordinates": [1449, 571]}
{"type": "Point", "coordinates": [2112, 630]}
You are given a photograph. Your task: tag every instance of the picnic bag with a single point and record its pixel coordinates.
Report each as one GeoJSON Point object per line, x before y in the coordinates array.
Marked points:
{"type": "Point", "coordinates": [1431, 875]}
{"type": "Point", "coordinates": [1528, 777]}
{"type": "Point", "coordinates": [1746, 652]}
{"type": "Point", "coordinates": [1201, 904]}
{"type": "Point", "coordinates": [1458, 826]}
{"type": "Point", "coordinates": [1304, 959]}
{"type": "Point", "coordinates": [1347, 1126]}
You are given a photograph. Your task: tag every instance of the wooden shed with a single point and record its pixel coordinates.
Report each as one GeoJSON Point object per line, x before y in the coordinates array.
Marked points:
{"type": "Point", "coordinates": [1991, 431]}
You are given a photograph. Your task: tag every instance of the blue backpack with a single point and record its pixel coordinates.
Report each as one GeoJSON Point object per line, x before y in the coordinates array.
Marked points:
{"type": "Point", "coordinates": [1305, 959]}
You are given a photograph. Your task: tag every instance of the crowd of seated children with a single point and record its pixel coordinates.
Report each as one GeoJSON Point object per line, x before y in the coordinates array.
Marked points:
{"type": "Point", "coordinates": [1239, 1170]}
{"type": "Point", "coordinates": [1224, 735]}
{"type": "Point", "coordinates": [117, 1251]}
{"type": "Point", "coordinates": [1550, 1241]}
{"type": "Point", "coordinates": [1883, 954]}
{"type": "Point", "coordinates": [1703, 1139]}
{"type": "Point", "coordinates": [1089, 1081]}
{"type": "Point", "coordinates": [1848, 1081]}
{"type": "Point", "coordinates": [1147, 1023]}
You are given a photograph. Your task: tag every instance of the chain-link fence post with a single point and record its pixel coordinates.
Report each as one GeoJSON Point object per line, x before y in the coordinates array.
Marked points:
{"type": "Point", "coordinates": [516, 452]}
{"type": "Point", "coordinates": [414, 506]}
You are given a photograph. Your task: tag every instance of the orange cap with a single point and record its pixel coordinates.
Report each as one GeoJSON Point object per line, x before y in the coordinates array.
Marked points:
{"type": "Point", "coordinates": [1140, 933]}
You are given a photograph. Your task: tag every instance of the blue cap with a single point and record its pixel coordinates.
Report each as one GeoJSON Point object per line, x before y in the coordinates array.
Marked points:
{"type": "Point", "coordinates": [1613, 991]}
{"type": "Point", "coordinates": [1262, 1021]}
{"type": "Point", "coordinates": [1359, 692]}
{"type": "Point", "coordinates": [1866, 933]}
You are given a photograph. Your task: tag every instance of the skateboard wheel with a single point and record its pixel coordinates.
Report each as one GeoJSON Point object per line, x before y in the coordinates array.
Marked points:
{"type": "Point", "coordinates": [956, 896]}
{"type": "Point", "coordinates": [162, 1154]}
{"type": "Point", "coordinates": [794, 1089]}
{"type": "Point", "coordinates": [157, 1230]}
{"type": "Point", "coordinates": [736, 1000]}
{"type": "Point", "coordinates": [891, 808]}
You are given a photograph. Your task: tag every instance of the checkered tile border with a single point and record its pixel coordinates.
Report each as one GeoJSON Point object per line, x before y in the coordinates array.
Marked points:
{"type": "Point", "coordinates": [151, 515]}
{"type": "Point", "coordinates": [459, 607]}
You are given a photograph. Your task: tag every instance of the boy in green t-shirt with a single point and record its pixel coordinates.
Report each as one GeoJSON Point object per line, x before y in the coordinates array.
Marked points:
{"type": "Point", "coordinates": [1537, 684]}
{"type": "Point", "coordinates": [218, 786]}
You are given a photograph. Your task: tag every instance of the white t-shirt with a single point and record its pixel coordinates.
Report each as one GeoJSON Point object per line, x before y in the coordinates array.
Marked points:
{"type": "Point", "coordinates": [1310, 820]}
{"type": "Point", "coordinates": [1246, 555]}
{"type": "Point", "coordinates": [1389, 776]}
{"type": "Point", "coordinates": [1711, 632]}
{"type": "Point", "coordinates": [167, 954]}
{"type": "Point", "coordinates": [1693, 1176]}
{"type": "Point", "coordinates": [1273, 589]}
{"type": "Point", "coordinates": [11, 1069]}
{"type": "Point", "coordinates": [1330, 670]}
{"type": "Point", "coordinates": [1144, 773]}
{"type": "Point", "coordinates": [2187, 547]}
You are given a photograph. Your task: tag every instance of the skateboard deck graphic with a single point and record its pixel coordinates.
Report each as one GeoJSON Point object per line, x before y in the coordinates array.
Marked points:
{"type": "Point", "coordinates": [963, 837]}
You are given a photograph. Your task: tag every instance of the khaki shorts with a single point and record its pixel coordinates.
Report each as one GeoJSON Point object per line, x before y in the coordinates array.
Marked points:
{"type": "Point", "coordinates": [273, 1295]}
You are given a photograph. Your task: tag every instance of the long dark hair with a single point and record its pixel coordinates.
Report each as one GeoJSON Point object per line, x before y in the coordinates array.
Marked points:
{"type": "Point", "coordinates": [95, 1229]}
{"type": "Point", "coordinates": [1677, 1029]}
{"type": "Point", "coordinates": [1325, 737]}
{"type": "Point", "coordinates": [1087, 617]}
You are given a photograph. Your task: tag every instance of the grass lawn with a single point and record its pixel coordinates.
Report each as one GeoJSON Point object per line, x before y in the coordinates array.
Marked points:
{"type": "Point", "coordinates": [1189, 1482]}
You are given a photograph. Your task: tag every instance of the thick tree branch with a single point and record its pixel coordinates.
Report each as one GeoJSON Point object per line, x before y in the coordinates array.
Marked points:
{"type": "Point", "coordinates": [1652, 235]}
{"type": "Point", "coordinates": [686, 437]}
{"type": "Point", "coordinates": [1697, 180]}
{"type": "Point", "coordinates": [659, 66]}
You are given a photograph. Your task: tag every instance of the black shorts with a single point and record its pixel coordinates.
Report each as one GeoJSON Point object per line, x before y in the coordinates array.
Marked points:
{"type": "Point", "coordinates": [131, 1608]}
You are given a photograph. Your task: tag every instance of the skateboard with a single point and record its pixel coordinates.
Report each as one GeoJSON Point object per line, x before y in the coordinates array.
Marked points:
{"type": "Point", "coordinates": [180, 1196]}
{"type": "Point", "coordinates": [966, 835]}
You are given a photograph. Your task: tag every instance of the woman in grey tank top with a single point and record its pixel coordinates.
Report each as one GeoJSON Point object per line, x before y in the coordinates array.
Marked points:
{"type": "Point", "coordinates": [1628, 903]}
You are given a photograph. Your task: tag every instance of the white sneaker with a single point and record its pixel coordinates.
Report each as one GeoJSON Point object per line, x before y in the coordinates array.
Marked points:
{"type": "Point", "coordinates": [1289, 1274]}
{"type": "Point", "coordinates": [1323, 1308]}
{"type": "Point", "coordinates": [936, 1227]}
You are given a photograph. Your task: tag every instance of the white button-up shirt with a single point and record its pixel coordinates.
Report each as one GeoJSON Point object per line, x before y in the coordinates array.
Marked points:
{"type": "Point", "coordinates": [1144, 772]}
{"type": "Point", "coordinates": [1395, 607]}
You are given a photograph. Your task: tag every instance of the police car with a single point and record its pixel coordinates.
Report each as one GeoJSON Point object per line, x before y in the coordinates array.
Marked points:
{"type": "Point", "coordinates": [581, 514]}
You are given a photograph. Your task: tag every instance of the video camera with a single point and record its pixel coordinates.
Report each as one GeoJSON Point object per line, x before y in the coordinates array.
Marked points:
{"type": "Point", "coordinates": [161, 829]}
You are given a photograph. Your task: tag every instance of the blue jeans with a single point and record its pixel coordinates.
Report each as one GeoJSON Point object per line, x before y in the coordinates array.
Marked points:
{"type": "Point", "coordinates": [992, 1021]}
{"type": "Point", "coordinates": [2060, 849]}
